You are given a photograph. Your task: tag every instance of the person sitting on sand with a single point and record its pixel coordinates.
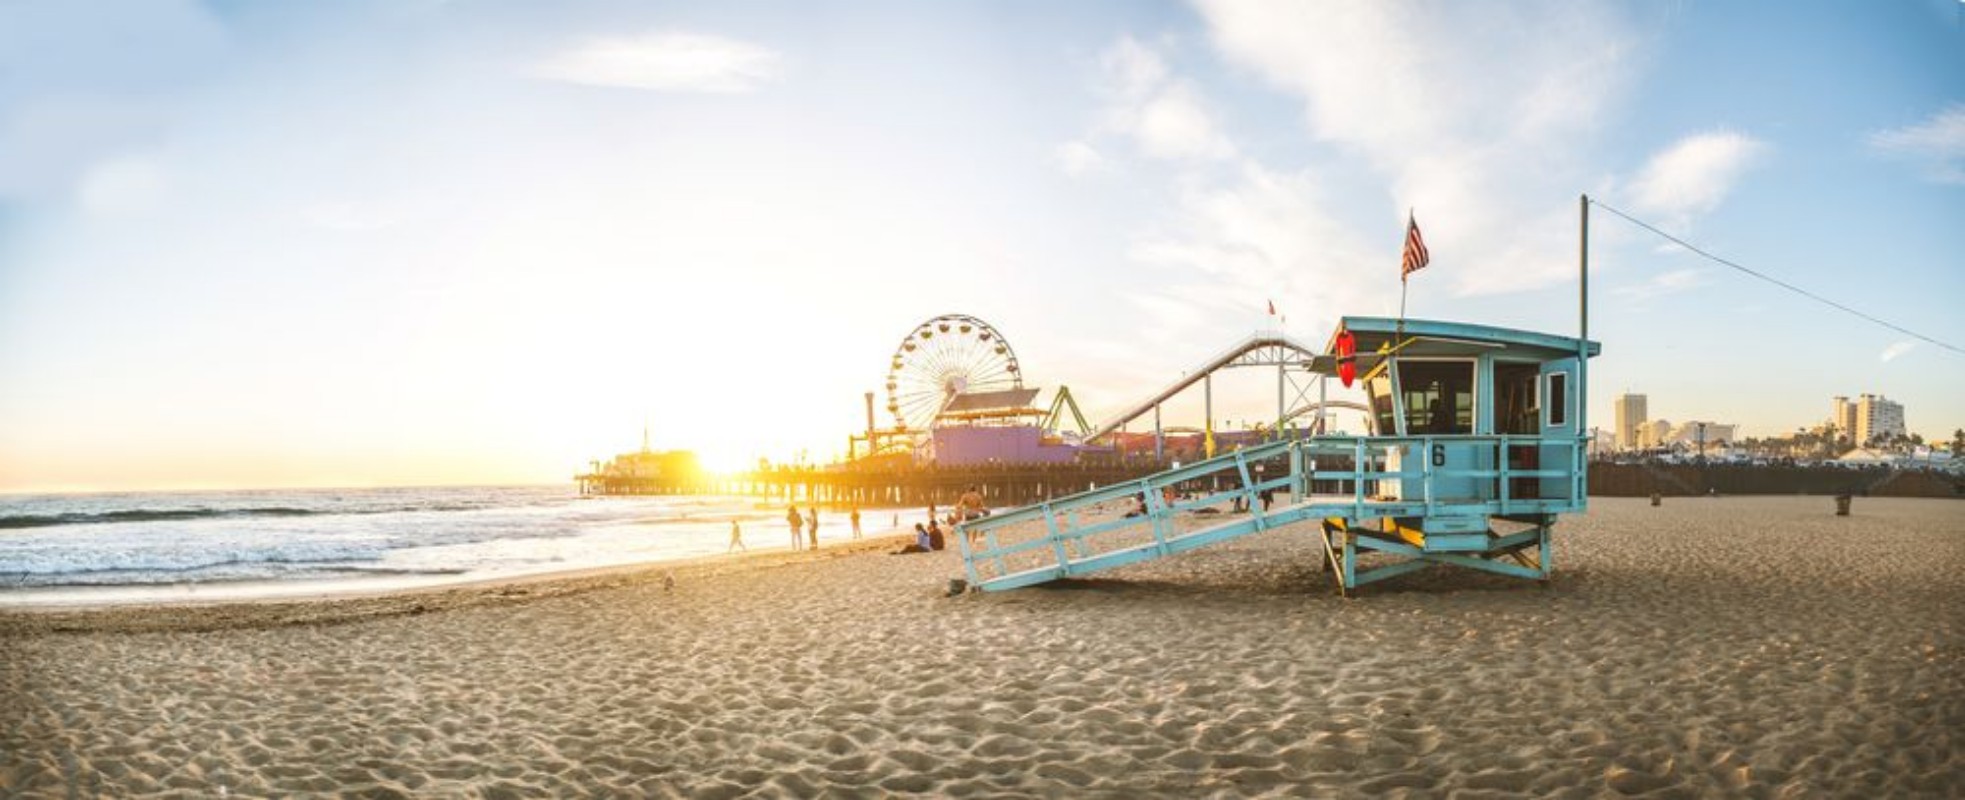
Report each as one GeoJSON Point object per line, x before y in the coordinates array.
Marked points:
{"type": "Point", "coordinates": [736, 538]}
{"type": "Point", "coordinates": [936, 541]}
{"type": "Point", "coordinates": [796, 522]}
{"type": "Point", "coordinates": [920, 543]}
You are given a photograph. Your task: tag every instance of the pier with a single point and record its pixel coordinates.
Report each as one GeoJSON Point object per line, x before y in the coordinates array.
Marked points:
{"type": "Point", "coordinates": [882, 486]}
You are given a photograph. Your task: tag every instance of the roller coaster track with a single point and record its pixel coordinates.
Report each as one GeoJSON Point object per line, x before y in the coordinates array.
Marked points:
{"type": "Point", "coordinates": [1261, 349]}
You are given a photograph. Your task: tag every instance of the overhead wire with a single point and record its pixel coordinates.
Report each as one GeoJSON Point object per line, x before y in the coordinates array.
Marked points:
{"type": "Point", "coordinates": [1773, 280]}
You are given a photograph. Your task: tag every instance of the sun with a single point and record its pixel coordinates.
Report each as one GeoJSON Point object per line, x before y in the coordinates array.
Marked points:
{"type": "Point", "coordinates": [726, 460]}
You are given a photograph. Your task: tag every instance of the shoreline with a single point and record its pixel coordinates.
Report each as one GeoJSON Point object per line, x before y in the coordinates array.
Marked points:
{"type": "Point", "coordinates": [75, 566]}
{"type": "Point", "coordinates": [203, 614]}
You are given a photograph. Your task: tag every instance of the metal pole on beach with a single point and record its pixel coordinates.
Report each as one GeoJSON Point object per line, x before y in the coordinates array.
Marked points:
{"type": "Point", "coordinates": [1582, 305]}
{"type": "Point", "coordinates": [1583, 341]}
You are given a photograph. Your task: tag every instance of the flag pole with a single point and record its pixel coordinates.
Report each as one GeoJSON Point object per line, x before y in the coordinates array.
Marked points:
{"type": "Point", "coordinates": [1405, 244]}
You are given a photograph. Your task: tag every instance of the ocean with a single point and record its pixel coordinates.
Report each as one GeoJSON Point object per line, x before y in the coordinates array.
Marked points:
{"type": "Point", "coordinates": [174, 546]}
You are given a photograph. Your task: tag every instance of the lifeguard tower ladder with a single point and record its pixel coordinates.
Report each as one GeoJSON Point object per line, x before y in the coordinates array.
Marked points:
{"type": "Point", "coordinates": [1479, 445]}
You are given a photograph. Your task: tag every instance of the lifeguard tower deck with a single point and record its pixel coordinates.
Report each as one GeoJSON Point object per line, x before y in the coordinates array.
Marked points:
{"type": "Point", "coordinates": [1477, 444]}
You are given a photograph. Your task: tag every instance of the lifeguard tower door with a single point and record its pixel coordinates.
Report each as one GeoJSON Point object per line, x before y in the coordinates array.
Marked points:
{"type": "Point", "coordinates": [1559, 426]}
{"type": "Point", "coordinates": [1517, 387]}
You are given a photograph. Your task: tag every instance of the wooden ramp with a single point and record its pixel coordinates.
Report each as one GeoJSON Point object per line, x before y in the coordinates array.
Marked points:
{"type": "Point", "coordinates": [1182, 509]}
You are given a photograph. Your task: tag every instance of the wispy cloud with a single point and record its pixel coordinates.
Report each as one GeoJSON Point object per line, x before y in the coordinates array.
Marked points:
{"type": "Point", "coordinates": [1173, 123]}
{"type": "Point", "coordinates": [1672, 282]}
{"type": "Point", "coordinates": [1479, 144]}
{"type": "Point", "coordinates": [1265, 234]}
{"type": "Point", "coordinates": [122, 186]}
{"type": "Point", "coordinates": [1891, 353]}
{"type": "Point", "coordinates": [352, 217]}
{"type": "Point", "coordinates": [1079, 158]}
{"type": "Point", "coordinates": [1938, 142]}
{"type": "Point", "coordinates": [667, 61]}
{"type": "Point", "coordinates": [1164, 116]}
{"type": "Point", "coordinates": [1693, 175]}
{"type": "Point", "coordinates": [1131, 69]}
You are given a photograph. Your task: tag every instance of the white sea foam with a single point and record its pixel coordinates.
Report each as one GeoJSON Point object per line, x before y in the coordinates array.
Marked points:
{"type": "Point", "coordinates": [52, 543]}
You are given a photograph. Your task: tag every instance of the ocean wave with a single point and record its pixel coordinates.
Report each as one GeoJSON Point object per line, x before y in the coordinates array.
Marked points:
{"type": "Point", "coordinates": [224, 572]}
{"type": "Point", "coordinates": [177, 560]}
{"type": "Point", "coordinates": [17, 521]}
{"type": "Point", "coordinates": [195, 538]}
{"type": "Point", "coordinates": [149, 515]}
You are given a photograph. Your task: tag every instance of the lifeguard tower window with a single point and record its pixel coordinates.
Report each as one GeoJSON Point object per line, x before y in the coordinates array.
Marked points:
{"type": "Point", "coordinates": [1385, 418]}
{"type": "Point", "coordinates": [1558, 401]}
{"type": "Point", "coordinates": [1438, 395]}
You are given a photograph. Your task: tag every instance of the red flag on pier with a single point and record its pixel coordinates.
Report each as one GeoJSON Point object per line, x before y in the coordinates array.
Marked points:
{"type": "Point", "coordinates": [1415, 255]}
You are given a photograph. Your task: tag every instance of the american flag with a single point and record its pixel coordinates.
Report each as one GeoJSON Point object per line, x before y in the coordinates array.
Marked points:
{"type": "Point", "coordinates": [1415, 255]}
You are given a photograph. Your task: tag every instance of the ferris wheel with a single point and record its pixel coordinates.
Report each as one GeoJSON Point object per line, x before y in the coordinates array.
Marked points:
{"type": "Point", "coordinates": [944, 357]}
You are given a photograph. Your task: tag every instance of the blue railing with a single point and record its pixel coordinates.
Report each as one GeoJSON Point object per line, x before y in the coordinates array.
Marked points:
{"type": "Point", "coordinates": [1136, 520]}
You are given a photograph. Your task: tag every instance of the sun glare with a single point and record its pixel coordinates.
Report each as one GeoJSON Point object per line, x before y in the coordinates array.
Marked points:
{"type": "Point", "coordinates": [725, 460]}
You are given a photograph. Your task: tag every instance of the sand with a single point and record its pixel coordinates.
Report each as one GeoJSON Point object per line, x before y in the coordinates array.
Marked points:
{"type": "Point", "coordinates": [1731, 646]}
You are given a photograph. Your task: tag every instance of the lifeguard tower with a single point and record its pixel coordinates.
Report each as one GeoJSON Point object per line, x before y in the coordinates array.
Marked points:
{"type": "Point", "coordinates": [1477, 446]}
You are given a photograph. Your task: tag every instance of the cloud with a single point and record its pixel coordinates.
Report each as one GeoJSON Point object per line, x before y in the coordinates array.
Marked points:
{"type": "Point", "coordinates": [1672, 282]}
{"type": "Point", "coordinates": [1264, 235]}
{"type": "Point", "coordinates": [84, 87]}
{"type": "Point", "coordinates": [123, 186]}
{"type": "Point", "coordinates": [1174, 124]}
{"type": "Point", "coordinates": [667, 61]}
{"type": "Point", "coordinates": [1164, 116]}
{"type": "Point", "coordinates": [353, 216]}
{"type": "Point", "coordinates": [1693, 175]}
{"type": "Point", "coordinates": [1939, 142]}
{"type": "Point", "coordinates": [1395, 80]}
{"type": "Point", "coordinates": [1079, 158]}
{"type": "Point", "coordinates": [1475, 115]}
{"type": "Point", "coordinates": [1132, 70]}
{"type": "Point", "coordinates": [1891, 353]}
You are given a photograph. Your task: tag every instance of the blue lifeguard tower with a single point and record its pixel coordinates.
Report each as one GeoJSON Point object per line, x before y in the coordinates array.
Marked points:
{"type": "Point", "coordinates": [1477, 445]}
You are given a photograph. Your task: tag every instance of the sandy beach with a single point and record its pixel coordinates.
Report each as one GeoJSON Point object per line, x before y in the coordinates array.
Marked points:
{"type": "Point", "coordinates": [1729, 646]}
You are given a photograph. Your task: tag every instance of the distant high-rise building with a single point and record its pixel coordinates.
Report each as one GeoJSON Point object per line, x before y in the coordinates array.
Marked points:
{"type": "Point", "coordinates": [1630, 414]}
{"type": "Point", "coordinates": [1843, 418]}
{"type": "Point", "coordinates": [1877, 418]}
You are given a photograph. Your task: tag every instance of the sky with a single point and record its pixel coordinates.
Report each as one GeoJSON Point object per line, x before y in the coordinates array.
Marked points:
{"type": "Point", "coordinates": [261, 244]}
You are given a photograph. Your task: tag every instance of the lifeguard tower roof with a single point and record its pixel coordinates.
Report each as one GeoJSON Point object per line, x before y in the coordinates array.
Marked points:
{"type": "Point", "coordinates": [1377, 337]}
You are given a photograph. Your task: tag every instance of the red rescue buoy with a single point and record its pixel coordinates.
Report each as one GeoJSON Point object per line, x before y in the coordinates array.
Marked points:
{"type": "Point", "coordinates": [1347, 358]}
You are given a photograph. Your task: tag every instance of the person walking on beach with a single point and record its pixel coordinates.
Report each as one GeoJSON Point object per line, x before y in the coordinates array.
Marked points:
{"type": "Point", "coordinates": [812, 526]}
{"type": "Point", "coordinates": [970, 506]}
{"type": "Point", "coordinates": [796, 522]}
{"type": "Point", "coordinates": [856, 521]}
{"type": "Point", "coordinates": [736, 538]}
